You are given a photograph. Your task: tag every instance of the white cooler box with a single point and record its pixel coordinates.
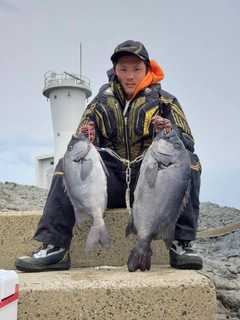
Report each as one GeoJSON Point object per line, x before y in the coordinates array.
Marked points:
{"type": "Point", "coordinates": [9, 294]}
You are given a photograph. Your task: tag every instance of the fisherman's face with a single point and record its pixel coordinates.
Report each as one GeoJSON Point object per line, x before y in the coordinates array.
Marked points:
{"type": "Point", "coordinates": [130, 71]}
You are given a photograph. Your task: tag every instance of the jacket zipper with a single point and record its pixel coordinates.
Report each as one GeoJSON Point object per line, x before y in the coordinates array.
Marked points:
{"type": "Point", "coordinates": [126, 132]}
{"type": "Point", "coordinates": [120, 118]}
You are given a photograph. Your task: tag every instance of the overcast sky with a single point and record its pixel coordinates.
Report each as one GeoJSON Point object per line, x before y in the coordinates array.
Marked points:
{"type": "Point", "coordinates": [197, 44]}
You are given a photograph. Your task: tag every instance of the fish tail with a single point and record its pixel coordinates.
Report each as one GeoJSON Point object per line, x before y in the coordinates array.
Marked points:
{"type": "Point", "coordinates": [97, 235]}
{"type": "Point", "coordinates": [138, 260]}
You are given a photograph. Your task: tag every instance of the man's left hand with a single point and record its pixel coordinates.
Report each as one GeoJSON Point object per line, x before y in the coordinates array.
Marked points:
{"type": "Point", "coordinates": [161, 123]}
{"type": "Point", "coordinates": [89, 131]}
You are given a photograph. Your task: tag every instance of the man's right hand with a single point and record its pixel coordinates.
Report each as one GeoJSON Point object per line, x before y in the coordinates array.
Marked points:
{"type": "Point", "coordinates": [161, 123]}
{"type": "Point", "coordinates": [89, 131]}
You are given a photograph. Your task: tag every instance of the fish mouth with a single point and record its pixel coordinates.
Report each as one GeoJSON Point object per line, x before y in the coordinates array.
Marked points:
{"type": "Point", "coordinates": [75, 157]}
{"type": "Point", "coordinates": [155, 155]}
{"type": "Point", "coordinates": [164, 160]}
{"type": "Point", "coordinates": [79, 158]}
{"type": "Point", "coordinates": [165, 154]}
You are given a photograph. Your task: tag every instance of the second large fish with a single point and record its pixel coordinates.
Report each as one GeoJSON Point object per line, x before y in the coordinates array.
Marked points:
{"type": "Point", "coordinates": [85, 178]}
{"type": "Point", "coordinates": [161, 193]}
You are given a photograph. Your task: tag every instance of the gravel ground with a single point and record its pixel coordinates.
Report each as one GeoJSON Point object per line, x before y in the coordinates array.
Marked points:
{"type": "Point", "coordinates": [221, 254]}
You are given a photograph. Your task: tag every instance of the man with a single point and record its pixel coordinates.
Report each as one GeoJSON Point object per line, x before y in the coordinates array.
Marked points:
{"type": "Point", "coordinates": [124, 116]}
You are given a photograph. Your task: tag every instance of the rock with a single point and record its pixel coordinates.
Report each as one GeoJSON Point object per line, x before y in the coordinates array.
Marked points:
{"type": "Point", "coordinates": [21, 197]}
{"type": "Point", "coordinates": [222, 265]}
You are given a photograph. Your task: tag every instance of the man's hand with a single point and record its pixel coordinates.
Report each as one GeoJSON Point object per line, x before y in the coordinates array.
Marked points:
{"type": "Point", "coordinates": [89, 131]}
{"type": "Point", "coordinates": [161, 123]}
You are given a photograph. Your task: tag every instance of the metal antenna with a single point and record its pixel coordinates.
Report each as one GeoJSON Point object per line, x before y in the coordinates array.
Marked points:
{"type": "Point", "coordinates": [80, 59]}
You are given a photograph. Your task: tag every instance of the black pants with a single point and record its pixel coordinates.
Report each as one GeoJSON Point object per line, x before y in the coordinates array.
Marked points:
{"type": "Point", "coordinates": [56, 224]}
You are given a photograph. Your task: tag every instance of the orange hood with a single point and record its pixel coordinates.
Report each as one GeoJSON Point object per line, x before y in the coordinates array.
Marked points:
{"type": "Point", "coordinates": [153, 76]}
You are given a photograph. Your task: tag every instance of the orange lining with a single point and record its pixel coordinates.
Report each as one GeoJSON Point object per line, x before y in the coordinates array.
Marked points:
{"type": "Point", "coordinates": [153, 76]}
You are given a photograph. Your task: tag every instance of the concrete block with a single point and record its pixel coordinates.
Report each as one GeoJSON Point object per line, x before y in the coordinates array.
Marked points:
{"type": "Point", "coordinates": [82, 294]}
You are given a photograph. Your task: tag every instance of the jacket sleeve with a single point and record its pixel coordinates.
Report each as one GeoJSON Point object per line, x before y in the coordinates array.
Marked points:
{"type": "Point", "coordinates": [172, 110]}
{"type": "Point", "coordinates": [90, 115]}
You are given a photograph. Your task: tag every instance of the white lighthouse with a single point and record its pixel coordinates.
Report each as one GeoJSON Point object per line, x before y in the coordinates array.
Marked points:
{"type": "Point", "coordinates": [67, 93]}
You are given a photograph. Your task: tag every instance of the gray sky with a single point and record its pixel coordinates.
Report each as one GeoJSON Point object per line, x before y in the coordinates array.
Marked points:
{"type": "Point", "coordinates": [196, 43]}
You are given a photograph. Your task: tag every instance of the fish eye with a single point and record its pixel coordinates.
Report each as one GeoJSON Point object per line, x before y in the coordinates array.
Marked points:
{"type": "Point", "coordinates": [70, 147]}
{"type": "Point", "coordinates": [177, 146]}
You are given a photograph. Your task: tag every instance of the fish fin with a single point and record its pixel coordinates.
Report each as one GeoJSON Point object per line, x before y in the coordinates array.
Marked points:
{"type": "Point", "coordinates": [104, 167]}
{"type": "Point", "coordinates": [97, 235]}
{"type": "Point", "coordinates": [80, 217]}
{"type": "Point", "coordinates": [138, 260]}
{"type": "Point", "coordinates": [151, 174]}
{"type": "Point", "coordinates": [158, 236]}
{"type": "Point", "coordinates": [86, 169]}
{"type": "Point", "coordinates": [64, 184]}
{"type": "Point", "coordinates": [168, 234]}
{"type": "Point", "coordinates": [186, 196]}
{"type": "Point", "coordinates": [130, 227]}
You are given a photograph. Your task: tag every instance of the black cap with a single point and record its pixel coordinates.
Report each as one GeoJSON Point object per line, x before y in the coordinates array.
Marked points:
{"type": "Point", "coordinates": [130, 47]}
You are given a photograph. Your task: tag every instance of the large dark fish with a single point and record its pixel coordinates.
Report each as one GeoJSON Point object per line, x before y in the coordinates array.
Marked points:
{"type": "Point", "coordinates": [84, 176]}
{"type": "Point", "coordinates": [161, 193]}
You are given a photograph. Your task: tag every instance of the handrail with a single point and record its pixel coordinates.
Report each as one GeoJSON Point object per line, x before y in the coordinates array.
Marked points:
{"type": "Point", "coordinates": [51, 76]}
{"type": "Point", "coordinates": [212, 233]}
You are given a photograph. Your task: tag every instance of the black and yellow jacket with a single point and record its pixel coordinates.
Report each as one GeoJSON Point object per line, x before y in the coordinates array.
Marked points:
{"type": "Point", "coordinates": [130, 134]}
